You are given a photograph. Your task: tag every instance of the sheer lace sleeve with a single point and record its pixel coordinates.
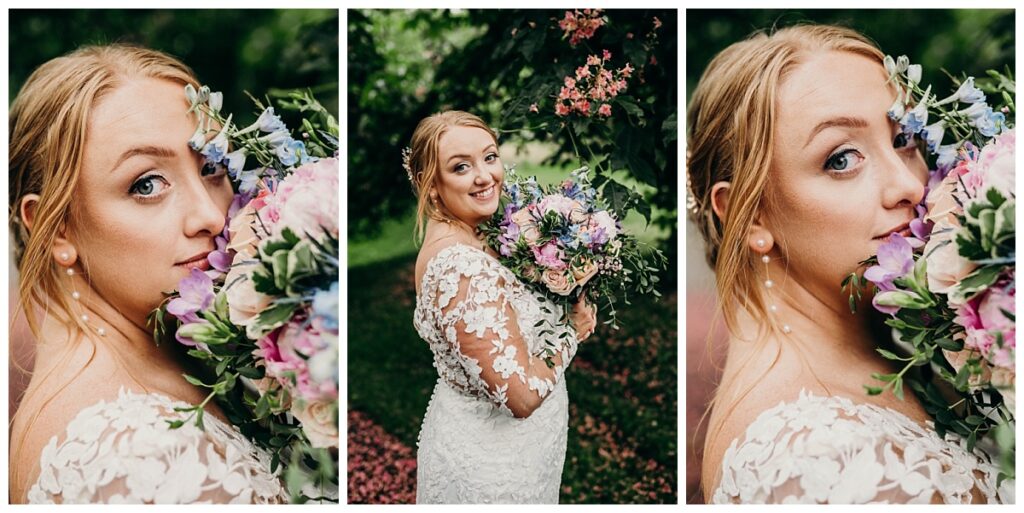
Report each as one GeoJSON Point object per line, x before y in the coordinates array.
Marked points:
{"type": "Point", "coordinates": [830, 450]}
{"type": "Point", "coordinates": [493, 334]}
{"type": "Point", "coordinates": [123, 452]}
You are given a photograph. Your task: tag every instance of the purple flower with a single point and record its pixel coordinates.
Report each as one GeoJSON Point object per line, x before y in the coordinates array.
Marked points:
{"type": "Point", "coordinates": [921, 228]}
{"type": "Point", "coordinates": [550, 256]}
{"type": "Point", "coordinates": [895, 260]}
{"type": "Point", "coordinates": [220, 258]}
{"type": "Point", "coordinates": [195, 294]}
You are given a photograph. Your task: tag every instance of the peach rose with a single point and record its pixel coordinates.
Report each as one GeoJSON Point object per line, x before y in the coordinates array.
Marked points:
{"type": "Point", "coordinates": [959, 358]}
{"type": "Point", "coordinates": [946, 268]}
{"type": "Point", "coordinates": [584, 273]}
{"type": "Point", "coordinates": [557, 282]}
{"type": "Point", "coordinates": [243, 229]}
{"type": "Point", "coordinates": [319, 421]}
{"type": "Point", "coordinates": [1005, 381]}
{"type": "Point", "coordinates": [941, 201]}
{"type": "Point", "coordinates": [527, 227]}
{"type": "Point", "coordinates": [244, 303]}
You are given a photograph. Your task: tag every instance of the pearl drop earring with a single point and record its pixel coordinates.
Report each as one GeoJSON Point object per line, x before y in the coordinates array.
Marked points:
{"type": "Point", "coordinates": [768, 284]}
{"type": "Point", "coordinates": [64, 256]}
{"type": "Point", "coordinates": [77, 296]}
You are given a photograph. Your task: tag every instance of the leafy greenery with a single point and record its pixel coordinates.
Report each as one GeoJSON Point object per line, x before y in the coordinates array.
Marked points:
{"type": "Point", "coordinates": [406, 65]}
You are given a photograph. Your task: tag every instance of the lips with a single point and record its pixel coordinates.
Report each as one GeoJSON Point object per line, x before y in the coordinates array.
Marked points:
{"type": "Point", "coordinates": [198, 261]}
{"type": "Point", "coordinates": [903, 230]}
{"type": "Point", "coordinates": [485, 194]}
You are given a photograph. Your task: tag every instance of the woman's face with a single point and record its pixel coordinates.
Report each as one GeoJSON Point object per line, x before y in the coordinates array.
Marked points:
{"type": "Point", "coordinates": [843, 178]}
{"type": "Point", "coordinates": [470, 173]}
{"type": "Point", "coordinates": [146, 209]}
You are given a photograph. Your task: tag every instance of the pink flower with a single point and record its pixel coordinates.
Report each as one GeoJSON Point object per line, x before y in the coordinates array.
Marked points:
{"type": "Point", "coordinates": [593, 60]}
{"type": "Point", "coordinates": [582, 72]}
{"type": "Point", "coordinates": [307, 200]}
{"type": "Point", "coordinates": [626, 70]}
{"type": "Point", "coordinates": [570, 82]}
{"type": "Point", "coordinates": [533, 108]}
{"type": "Point", "coordinates": [605, 110]}
{"type": "Point", "coordinates": [550, 256]}
{"type": "Point", "coordinates": [657, 23]}
{"type": "Point", "coordinates": [994, 167]}
{"type": "Point", "coordinates": [564, 94]}
{"type": "Point", "coordinates": [561, 109]}
{"type": "Point", "coordinates": [606, 55]}
{"type": "Point", "coordinates": [583, 107]}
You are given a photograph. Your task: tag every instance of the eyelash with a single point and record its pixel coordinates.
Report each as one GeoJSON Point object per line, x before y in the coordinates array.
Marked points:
{"type": "Point", "coordinates": [145, 198]}
{"type": "Point", "coordinates": [909, 143]}
{"type": "Point", "coordinates": [459, 166]}
{"type": "Point", "coordinates": [219, 172]}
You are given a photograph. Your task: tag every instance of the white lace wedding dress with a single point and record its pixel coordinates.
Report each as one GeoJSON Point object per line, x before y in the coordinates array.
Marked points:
{"type": "Point", "coordinates": [123, 452]}
{"type": "Point", "coordinates": [831, 450]}
{"type": "Point", "coordinates": [487, 330]}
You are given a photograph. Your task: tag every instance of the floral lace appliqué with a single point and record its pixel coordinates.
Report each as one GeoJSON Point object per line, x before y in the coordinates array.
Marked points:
{"type": "Point", "coordinates": [831, 450]}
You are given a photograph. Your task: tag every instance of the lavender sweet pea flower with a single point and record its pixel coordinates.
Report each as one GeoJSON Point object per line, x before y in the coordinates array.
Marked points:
{"type": "Point", "coordinates": [895, 260]}
{"type": "Point", "coordinates": [921, 228]}
{"type": "Point", "coordinates": [196, 294]}
{"type": "Point", "coordinates": [220, 258]}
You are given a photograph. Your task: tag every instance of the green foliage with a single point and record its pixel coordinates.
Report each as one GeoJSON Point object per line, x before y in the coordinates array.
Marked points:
{"type": "Point", "coordinates": [405, 65]}
{"type": "Point", "coordinates": [229, 49]}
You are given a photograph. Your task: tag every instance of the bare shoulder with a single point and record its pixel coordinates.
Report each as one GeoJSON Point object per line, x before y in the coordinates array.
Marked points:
{"type": "Point", "coordinates": [746, 392]}
{"type": "Point", "coordinates": [54, 398]}
{"type": "Point", "coordinates": [439, 237]}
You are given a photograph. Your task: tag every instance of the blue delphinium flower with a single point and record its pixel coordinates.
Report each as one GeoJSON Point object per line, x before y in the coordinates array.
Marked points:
{"type": "Point", "coordinates": [946, 155]}
{"type": "Point", "coordinates": [290, 152]}
{"type": "Point", "coordinates": [914, 119]}
{"type": "Point", "coordinates": [248, 180]}
{"type": "Point", "coordinates": [325, 306]}
{"type": "Point", "coordinates": [216, 149]}
{"type": "Point", "coordinates": [270, 122]}
{"type": "Point", "coordinates": [966, 93]}
{"type": "Point", "coordinates": [235, 162]}
{"type": "Point", "coordinates": [933, 134]}
{"type": "Point", "coordinates": [987, 121]}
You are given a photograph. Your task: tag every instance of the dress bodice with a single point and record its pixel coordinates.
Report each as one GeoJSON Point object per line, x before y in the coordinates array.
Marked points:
{"type": "Point", "coordinates": [831, 450]}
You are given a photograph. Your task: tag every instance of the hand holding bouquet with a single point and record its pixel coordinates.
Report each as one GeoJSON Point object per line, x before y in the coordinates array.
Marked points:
{"type": "Point", "coordinates": [565, 243]}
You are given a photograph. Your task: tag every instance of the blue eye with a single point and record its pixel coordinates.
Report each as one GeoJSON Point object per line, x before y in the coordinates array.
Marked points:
{"type": "Point", "coordinates": [842, 162]}
{"type": "Point", "coordinates": [148, 186]}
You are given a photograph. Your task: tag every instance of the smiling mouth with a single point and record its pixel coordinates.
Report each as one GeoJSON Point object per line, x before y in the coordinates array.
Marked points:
{"type": "Point", "coordinates": [484, 194]}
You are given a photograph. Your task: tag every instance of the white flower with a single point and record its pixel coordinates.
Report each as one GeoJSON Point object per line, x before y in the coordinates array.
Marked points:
{"type": "Point", "coordinates": [319, 422]}
{"type": "Point", "coordinates": [505, 363]}
{"type": "Point", "coordinates": [479, 320]}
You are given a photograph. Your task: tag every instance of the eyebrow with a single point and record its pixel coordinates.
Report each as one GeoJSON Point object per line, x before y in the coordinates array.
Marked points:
{"type": "Point", "coordinates": [462, 156]}
{"type": "Point", "coordinates": [154, 151]}
{"type": "Point", "coordinates": [841, 121]}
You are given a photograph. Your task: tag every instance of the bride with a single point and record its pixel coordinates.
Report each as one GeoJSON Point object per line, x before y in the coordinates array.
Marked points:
{"type": "Point", "coordinates": [798, 174]}
{"type": "Point", "coordinates": [110, 208]}
{"type": "Point", "coordinates": [495, 428]}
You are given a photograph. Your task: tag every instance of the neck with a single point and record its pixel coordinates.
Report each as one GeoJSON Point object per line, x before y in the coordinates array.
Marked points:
{"type": "Point", "coordinates": [109, 326]}
{"type": "Point", "coordinates": [820, 321]}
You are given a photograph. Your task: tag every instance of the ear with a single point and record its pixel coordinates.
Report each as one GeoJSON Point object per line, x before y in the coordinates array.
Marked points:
{"type": "Point", "coordinates": [759, 237]}
{"type": "Point", "coordinates": [62, 249]}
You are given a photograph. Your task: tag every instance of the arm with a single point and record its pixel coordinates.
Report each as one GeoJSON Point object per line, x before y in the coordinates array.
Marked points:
{"type": "Point", "coordinates": [481, 325]}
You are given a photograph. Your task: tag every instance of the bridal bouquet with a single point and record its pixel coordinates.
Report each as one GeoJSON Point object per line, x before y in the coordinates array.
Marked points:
{"type": "Point", "coordinates": [949, 287]}
{"type": "Point", "coordinates": [563, 241]}
{"type": "Point", "coordinates": [264, 317]}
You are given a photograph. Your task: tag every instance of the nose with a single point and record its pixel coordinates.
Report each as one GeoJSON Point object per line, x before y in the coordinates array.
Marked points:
{"type": "Point", "coordinates": [483, 175]}
{"type": "Point", "coordinates": [902, 186]}
{"type": "Point", "coordinates": [204, 217]}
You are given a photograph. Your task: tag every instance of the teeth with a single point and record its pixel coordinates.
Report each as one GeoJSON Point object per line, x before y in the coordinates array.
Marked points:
{"type": "Point", "coordinates": [486, 193]}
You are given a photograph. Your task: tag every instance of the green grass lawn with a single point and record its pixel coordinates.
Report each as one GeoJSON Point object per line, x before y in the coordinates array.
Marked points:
{"type": "Point", "coordinates": [622, 384]}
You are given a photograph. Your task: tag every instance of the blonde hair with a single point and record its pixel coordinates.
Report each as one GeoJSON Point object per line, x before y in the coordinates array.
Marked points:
{"type": "Point", "coordinates": [425, 165]}
{"type": "Point", "coordinates": [731, 121]}
{"type": "Point", "coordinates": [48, 128]}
